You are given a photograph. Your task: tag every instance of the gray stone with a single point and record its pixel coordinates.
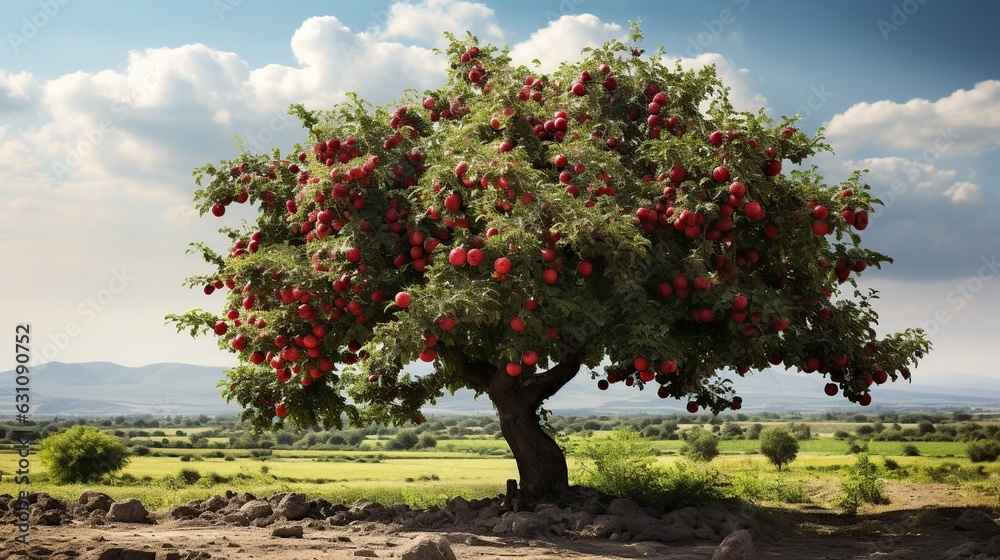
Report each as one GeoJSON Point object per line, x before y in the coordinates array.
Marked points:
{"type": "Point", "coordinates": [237, 519]}
{"type": "Point", "coordinates": [973, 519]}
{"type": "Point", "coordinates": [605, 525]}
{"type": "Point", "coordinates": [365, 553]}
{"type": "Point", "coordinates": [963, 550]}
{"type": "Point", "coordinates": [287, 531]}
{"type": "Point", "coordinates": [578, 521]}
{"type": "Point", "coordinates": [634, 518]}
{"type": "Point", "coordinates": [126, 554]}
{"type": "Point", "coordinates": [183, 512]}
{"type": "Point", "coordinates": [675, 534]}
{"type": "Point", "coordinates": [433, 518]}
{"type": "Point", "coordinates": [128, 511]}
{"type": "Point", "coordinates": [527, 524]}
{"type": "Point", "coordinates": [427, 548]}
{"type": "Point", "coordinates": [293, 507]}
{"type": "Point", "coordinates": [256, 509]}
{"type": "Point", "coordinates": [46, 503]}
{"type": "Point", "coordinates": [96, 500]}
{"type": "Point", "coordinates": [737, 546]}
{"type": "Point", "coordinates": [215, 503]}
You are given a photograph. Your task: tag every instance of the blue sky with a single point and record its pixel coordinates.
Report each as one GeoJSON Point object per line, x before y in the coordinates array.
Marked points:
{"type": "Point", "coordinates": [105, 107]}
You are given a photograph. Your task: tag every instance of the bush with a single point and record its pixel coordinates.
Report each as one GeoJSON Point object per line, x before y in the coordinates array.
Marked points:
{"type": "Point", "coordinates": [779, 446]}
{"type": "Point", "coordinates": [911, 450]}
{"type": "Point", "coordinates": [427, 440]}
{"type": "Point", "coordinates": [754, 488]}
{"type": "Point", "coordinates": [753, 431]}
{"type": "Point", "coordinates": [860, 484]}
{"type": "Point", "coordinates": [82, 454]}
{"type": "Point", "coordinates": [405, 439]}
{"type": "Point", "coordinates": [230, 457]}
{"type": "Point", "coordinates": [700, 445]}
{"type": "Point", "coordinates": [619, 465]}
{"type": "Point", "coordinates": [189, 476]}
{"type": "Point", "coordinates": [983, 451]}
{"type": "Point", "coordinates": [141, 451]}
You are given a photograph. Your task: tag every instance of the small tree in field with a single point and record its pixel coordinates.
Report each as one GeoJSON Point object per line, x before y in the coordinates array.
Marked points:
{"type": "Point", "coordinates": [778, 445]}
{"type": "Point", "coordinates": [700, 445]}
{"type": "Point", "coordinates": [512, 228]}
{"type": "Point", "coordinates": [82, 454]}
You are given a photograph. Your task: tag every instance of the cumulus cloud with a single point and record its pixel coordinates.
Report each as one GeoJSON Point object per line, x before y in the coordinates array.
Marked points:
{"type": "Point", "coordinates": [428, 20]}
{"type": "Point", "coordinates": [743, 93]}
{"type": "Point", "coordinates": [17, 91]}
{"type": "Point", "coordinates": [563, 39]}
{"type": "Point", "coordinates": [963, 191]}
{"type": "Point", "coordinates": [965, 123]}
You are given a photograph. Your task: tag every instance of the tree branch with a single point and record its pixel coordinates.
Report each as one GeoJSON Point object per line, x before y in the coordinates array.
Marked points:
{"type": "Point", "coordinates": [549, 382]}
{"type": "Point", "coordinates": [475, 374]}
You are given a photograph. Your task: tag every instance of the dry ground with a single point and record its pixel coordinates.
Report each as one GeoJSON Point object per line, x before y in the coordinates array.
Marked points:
{"type": "Point", "coordinates": [917, 525]}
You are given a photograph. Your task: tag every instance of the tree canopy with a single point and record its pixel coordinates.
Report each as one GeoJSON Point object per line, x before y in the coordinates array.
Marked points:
{"type": "Point", "coordinates": [511, 228]}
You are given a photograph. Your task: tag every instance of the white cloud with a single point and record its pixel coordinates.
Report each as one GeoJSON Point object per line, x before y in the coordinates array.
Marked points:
{"type": "Point", "coordinates": [963, 191]}
{"type": "Point", "coordinates": [967, 122]}
{"type": "Point", "coordinates": [17, 91]}
{"type": "Point", "coordinates": [563, 39]}
{"type": "Point", "coordinates": [743, 93]}
{"type": "Point", "coordinates": [428, 20]}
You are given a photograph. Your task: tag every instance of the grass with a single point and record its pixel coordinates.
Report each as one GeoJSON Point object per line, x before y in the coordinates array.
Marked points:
{"type": "Point", "coordinates": [479, 468]}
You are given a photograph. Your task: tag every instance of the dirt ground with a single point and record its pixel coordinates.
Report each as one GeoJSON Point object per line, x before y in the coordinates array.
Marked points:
{"type": "Point", "coordinates": [918, 524]}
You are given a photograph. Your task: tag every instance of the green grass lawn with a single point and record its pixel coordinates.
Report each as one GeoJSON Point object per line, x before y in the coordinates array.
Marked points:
{"type": "Point", "coordinates": [467, 467]}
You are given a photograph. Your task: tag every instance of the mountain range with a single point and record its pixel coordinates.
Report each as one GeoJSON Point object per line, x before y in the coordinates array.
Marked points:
{"type": "Point", "coordinates": [105, 388]}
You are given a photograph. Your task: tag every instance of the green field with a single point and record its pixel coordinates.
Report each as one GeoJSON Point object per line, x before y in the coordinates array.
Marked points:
{"type": "Point", "coordinates": [467, 467]}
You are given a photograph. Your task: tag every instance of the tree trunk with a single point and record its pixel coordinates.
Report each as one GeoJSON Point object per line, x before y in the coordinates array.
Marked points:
{"type": "Point", "coordinates": [541, 463]}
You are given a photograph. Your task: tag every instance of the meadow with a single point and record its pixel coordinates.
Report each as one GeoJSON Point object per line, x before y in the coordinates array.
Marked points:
{"type": "Point", "coordinates": [194, 463]}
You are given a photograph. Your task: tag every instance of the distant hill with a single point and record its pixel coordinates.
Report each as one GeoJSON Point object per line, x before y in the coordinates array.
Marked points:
{"type": "Point", "coordinates": [105, 388]}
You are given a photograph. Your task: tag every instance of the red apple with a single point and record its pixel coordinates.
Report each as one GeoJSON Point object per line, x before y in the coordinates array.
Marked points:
{"type": "Point", "coordinates": [668, 366]}
{"type": "Point", "coordinates": [502, 265]}
{"type": "Point", "coordinates": [530, 358]}
{"type": "Point", "coordinates": [458, 256]}
{"type": "Point", "coordinates": [517, 324]}
{"type": "Point", "coordinates": [740, 302]}
{"type": "Point", "coordinates": [513, 369]}
{"type": "Point", "coordinates": [831, 389]}
{"type": "Point", "coordinates": [641, 364]}
{"type": "Point", "coordinates": [428, 355]}
{"type": "Point", "coordinates": [720, 173]}
{"type": "Point", "coordinates": [281, 409]}
{"type": "Point", "coordinates": [403, 299]}
{"type": "Point", "coordinates": [220, 328]}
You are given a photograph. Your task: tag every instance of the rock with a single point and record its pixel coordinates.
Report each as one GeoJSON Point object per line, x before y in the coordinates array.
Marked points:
{"type": "Point", "coordinates": [676, 534]}
{"type": "Point", "coordinates": [737, 546]}
{"type": "Point", "coordinates": [126, 554]}
{"type": "Point", "coordinates": [480, 503]}
{"type": "Point", "coordinates": [365, 553]}
{"type": "Point", "coordinates": [634, 518]}
{"type": "Point", "coordinates": [293, 507]}
{"type": "Point", "coordinates": [97, 517]}
{"type": "Point", "coordinates": [963, 550]}
{"type": "Point", "coordinates": [433, 518]}
{"type": "Point", "coordinates": [604, 526]}
{"type": "Point", "coordinates": [461, 509]}
{"type": "Point", "coordinates": [46, 503]}
{"type": "Point", "coordinates": [256, 509]}
{"type": "Point", "coordinates": [52, 517]}
{"type": "Point", "coordinates": [427, 548]}
{"type": "Point", "coordinates": [704, 533]}
{"type": "Point", "coordinates": [973, 519]}
{"type": "Point", "coordinates": [578, 520]}
{"type": "Point", "coordinates": [96, 500]}
{"type": "Point", "coordinates": [214, 504]}
{"type": "Point", "coordinates": [288, 531]}
{"type": "Point", "coordinates": [237, 519]}
{"type": "Point", "coordinates": [526, 524]}
{"type": "Point", "coordinates": [128, 511]}
{"type": "Point", "coordinates": [183, 512]}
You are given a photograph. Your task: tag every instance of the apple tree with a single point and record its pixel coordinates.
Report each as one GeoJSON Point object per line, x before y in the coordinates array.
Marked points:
{"type": "Point", "coordinates": [513, 228]}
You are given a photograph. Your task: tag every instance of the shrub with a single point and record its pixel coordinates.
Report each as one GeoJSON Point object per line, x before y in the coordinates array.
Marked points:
{"type": "Point", "coordinates": [700, 445]}
{"type": "Point", "coordinates": [189, 476]}
{"type": "Point", "coordinates": [860, 484]}
{"type": "Point", "coordinates": [779, 446]}
{"type": "Point", "coordinates": [405, 439]}
{"type": "Point", "coordinates": [427, 440]}
{"type": "Point", "coordinates": [911, 450]}
{"type": "Point", "coordinates": [230, 457]}
{"type": "Point", "coordinates": [755, 488]}
{"type": "Point", "coordinates": [619, 465]}
{"type": "Point", "coordinates": [753, 431]}
{"type": "Point", "coordinates": [82, 454]}
{"type": "Point", "coordinates": [141, 451]}
{"type": "Point", "coordinates": [983, 451]}
{"type": "Point", "coordinates": [841, 434]}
